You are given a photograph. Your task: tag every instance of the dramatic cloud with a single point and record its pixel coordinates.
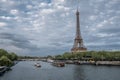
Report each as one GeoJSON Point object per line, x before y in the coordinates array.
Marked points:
{"type": "Point", "coordinates": [47, 27]}
{"type": "Point", "coordinates": [2, 24]}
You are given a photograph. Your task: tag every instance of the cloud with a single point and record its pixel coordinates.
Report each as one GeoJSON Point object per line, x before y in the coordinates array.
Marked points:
{"type": "Point", "coordinates": [14, 11]}
{"type": "Point", "coordinates": [16, 40]}
{"type": "Point", "coordinates": [2, 24]}
{"type": "Point", "coordinates": [4, 17]}
{"type": "Point", "coordinates": [29, 6]}
{"type": "Point", "coordinates": [43, 4]}
{"type": "Point", "coordinates": [47, 27]}
{"type": "Point", "coordinates": [93, 17]}
{"type": "Point", "coordinates": [47, 11]}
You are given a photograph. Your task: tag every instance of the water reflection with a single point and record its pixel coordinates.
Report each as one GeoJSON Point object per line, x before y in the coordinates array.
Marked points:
{"type": "Point", "coordinates": [27, 71]}
{"type": "Point", "coordinates": [79, 73]}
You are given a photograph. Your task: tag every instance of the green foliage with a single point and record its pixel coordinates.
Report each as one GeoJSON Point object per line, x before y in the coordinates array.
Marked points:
{"type": "Point", "coordinates": [5, 61]}
{"type": "Point", "coordinates": [66, 56]}
{"type": "Point", "coordinates": [58, 57]}
{"type": "Point", "coordinates": [3, 52]}
{"type": "Point", "coordinates": [95, 55]}
{"type": "Point", "coordinates": [50, 57]}
{"type": "Point", "coordinates": [13, 56]}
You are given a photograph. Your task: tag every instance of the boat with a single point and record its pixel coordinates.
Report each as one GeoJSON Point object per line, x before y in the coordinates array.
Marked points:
{"type": "Point", "coordinates": [37, 65]}
{"type": "Point", "coordinates": [58, 64]}
{"type": "Point", "coordinates": [69, 62]}
{"type": "Point", "coordinates": [50, 60]}
{"type": "Point", "coordinates": [2, 69]}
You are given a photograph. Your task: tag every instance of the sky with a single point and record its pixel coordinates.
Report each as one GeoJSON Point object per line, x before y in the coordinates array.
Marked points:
{"type": "Point", "coordinates": [47, 27]}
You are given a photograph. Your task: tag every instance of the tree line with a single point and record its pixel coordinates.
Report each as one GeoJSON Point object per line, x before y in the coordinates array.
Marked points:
{"type": "Point", "coordinates": [6, 58]}
{"type": "Point", "coordinates": [94, 55]}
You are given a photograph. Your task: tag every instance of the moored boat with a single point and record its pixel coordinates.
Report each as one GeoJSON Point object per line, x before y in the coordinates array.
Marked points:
{"type": "Point", "coordinates": [58, 64]}
{"type": "Point", "coordinates": [50, 60]}
{"type": "Point", "coordinates": [2, 69]}
{"type": "Point", "coordinates": [69, 62]}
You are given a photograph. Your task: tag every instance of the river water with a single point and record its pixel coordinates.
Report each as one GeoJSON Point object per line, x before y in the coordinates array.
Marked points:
{"type": "Point", "coordinates": [25, 70]}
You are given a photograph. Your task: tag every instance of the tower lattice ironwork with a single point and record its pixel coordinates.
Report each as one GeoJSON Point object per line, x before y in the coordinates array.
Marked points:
{"type": "Point", "coordinates": [78, 41]}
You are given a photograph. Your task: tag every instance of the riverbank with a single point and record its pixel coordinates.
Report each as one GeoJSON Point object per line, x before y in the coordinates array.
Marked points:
{"type": "Point", "coordinates": [97, 63]}
{"type": "Point", "coordinates": [78, 62]}
{"type": "Point", "coordinates": [4, 69]}
{"type": "Point", "coordinates": [108, 63]}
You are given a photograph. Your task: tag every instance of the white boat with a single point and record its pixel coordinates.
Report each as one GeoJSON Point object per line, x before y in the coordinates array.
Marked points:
{"type": "Point", "coordinates": [50, 60]}
{"type": "Point", "coordinates": [37, 65]}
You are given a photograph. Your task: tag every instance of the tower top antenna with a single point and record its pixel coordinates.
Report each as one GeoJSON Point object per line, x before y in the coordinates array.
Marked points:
{"type": "Point", "coordinates": [78, 4]}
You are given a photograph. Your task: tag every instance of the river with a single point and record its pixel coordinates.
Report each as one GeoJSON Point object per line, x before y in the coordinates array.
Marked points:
{"type": "Point", "coordinates": [25, 70]}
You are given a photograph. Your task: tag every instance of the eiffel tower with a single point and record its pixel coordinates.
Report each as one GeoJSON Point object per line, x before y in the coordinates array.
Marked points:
{"type": "Point", "coordinates": [78, 41]}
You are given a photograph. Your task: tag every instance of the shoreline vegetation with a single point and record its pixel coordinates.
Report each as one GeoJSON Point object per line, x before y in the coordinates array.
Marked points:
{"type": "Point", "coordinates": [110, 58]}
{"type": "Point", "coordinates": [6, 58]}
{"type": "Point", "coordinates": [105, 58]}
{"type": "Point", "coordinates": [89, 55]}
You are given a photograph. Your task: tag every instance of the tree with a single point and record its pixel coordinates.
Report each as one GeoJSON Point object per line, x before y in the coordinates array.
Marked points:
{"type": "Point", "coordinates": [50, 57]}
{"type": "Point", "coordinates": [5, 61]}
{"type": "Point", "coordinates": [58, 57]}
{"type": "Point", "coordinates": [12, 56]}
{"type": "Point", "coordinates": [3, 52]}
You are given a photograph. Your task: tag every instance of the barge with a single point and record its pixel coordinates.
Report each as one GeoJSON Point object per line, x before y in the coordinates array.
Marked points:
{"type": "Point", "coordinates": [58, 64]}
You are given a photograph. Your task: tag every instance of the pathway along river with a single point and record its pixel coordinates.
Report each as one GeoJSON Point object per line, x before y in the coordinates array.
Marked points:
{"type": "Point", "coordinates": [25, 70]}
